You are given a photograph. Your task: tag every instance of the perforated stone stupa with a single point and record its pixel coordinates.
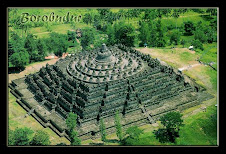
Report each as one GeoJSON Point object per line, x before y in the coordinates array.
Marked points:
{"type": "Point", "coordinates": [95, 84]}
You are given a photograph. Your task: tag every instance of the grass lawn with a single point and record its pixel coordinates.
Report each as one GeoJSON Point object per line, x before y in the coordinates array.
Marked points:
{"type": "Point", "coordinates": [209, 54]}
{"type": "Point", "coordinates": [204, 76]}
{"type": "Point", "coordinates": [177, 57]}
{"type": "Point", "coordinates": [188, 16]}
{"type": "Point", "coordinates": [199, 129]}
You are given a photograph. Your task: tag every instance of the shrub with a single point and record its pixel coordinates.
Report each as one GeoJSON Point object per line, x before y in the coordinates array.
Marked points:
{"type": "Point", "coordinates": [197, 45]}
{"type": "Point", "coordinates": [125, 34]}
{"type": "Point", "coordinates": [40, 138]}
{"type": "Point", "coordinates": [189, 28]}
{"type": "Point", "coordinates": [19, 59]}
{"type": "Point", "coordinates": [133, 133]}
{"type": "Point", "coordinates": [21, 136]}
{"type": "Point", "coordinates": [88, 35]}
{"type": "Point", "coordinates": [172, 122]}
{"type": "Point", "coordinates": [175, 37]}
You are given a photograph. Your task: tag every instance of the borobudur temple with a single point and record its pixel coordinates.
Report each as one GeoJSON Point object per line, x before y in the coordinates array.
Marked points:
{"type": "Point", "coordinates": [95, 84]}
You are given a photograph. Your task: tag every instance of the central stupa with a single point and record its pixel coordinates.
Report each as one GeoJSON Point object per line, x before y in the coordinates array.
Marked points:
{"type": "Point", "coordinates": [95, 84]}
{"type": "Point", "coordinates": [104, 66]}
{"type": "Point", "coordinates": [105, 55]}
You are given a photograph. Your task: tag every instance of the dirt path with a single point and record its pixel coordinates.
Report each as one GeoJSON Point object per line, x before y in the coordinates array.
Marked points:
{"type": "Point", "coordinates": [188, 67]}
{"type": "Point", "coordinates": [30, 69]}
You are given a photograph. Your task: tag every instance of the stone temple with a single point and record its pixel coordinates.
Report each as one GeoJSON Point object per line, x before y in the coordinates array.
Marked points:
{"type": "Point", "coordinates": [95, 84]}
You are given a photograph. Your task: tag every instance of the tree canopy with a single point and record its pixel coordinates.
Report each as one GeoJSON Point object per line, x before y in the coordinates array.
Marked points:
{"type": "Point", "coordinates": [40, 138]}
{"type": "Point", "coordinates": [71, 121]}
{"type": "Point", "coordinates": [20, 136]}
{"type": "Point", "coordinates": [132, 136]}
{"type": "Point", "coordinates": [125, 34]}
{"type": "Point", "coordinates": [19, 59]}
{"type": "Point", "coordinates": [118, 126]}
{"type": "Point", "coordinates": [88, 35]}
{"type": "Point", "coordinates": [58, 43]}
{"type": "Point", "coordinates": [102, 130]}
{"type": "Point", "coordinates": [171, 122]}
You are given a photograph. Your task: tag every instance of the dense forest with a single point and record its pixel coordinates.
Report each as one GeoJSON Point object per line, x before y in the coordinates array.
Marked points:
{"type": "Point", "coordinates": [131, 27]}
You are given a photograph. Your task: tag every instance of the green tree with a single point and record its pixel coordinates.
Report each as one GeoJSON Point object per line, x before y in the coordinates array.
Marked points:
{"type": "Point", "coordinates": [213, 23]}
{"type": "Point", "coordinates": [110, 18]}
{"type": "Point", "coordinates": [31, 46]}
{"type": "Point", "coordinates": [176, 14]}
{"type": "Point", "coordinates": [150, 14]}
{"type": "Point", "coordinates": [104, 15]}
{"type": "Point", "coordinates": [10, 48]}
{"type": "Point", "coordinates": [132, 136]}
{"type": "Point", "coordinates": [88, 18]}
{"type": "Point", "coordinates": [212, 12]}
{"type": "Point", "coordinates": [71, 124]}
{"type": "Point", "coordinates": [40, 138]}
{"type": "Point", "coordinates": [88, 35]}
{"type": "Point", "coordinates": [125, 34]}
{"type": "Point", "coordinates": [41, 50]}
{"type": "Point", "coordinates": [118, 126]}
{"type": "Point", "coordinates": [15, 44]}
{"type": "Point", "coordinates": [211, 35]}
{"type": "Point", "coordinates": [162, 135]}
{"type": "Point", "coordinates": [71, 35]}
{"type": "Point", "coordinates": [160, 37]}
{"type": "Point", "coordinates": [171, 122]}
{"type": "Point", "coordinates": [102, 130]}
{"type": "Point", "coordinates": [48, 27]}
{"type": "Point", "coordinates": [103, 12]}
{"type": "Point", "coordinates": [71, 121]}
{"type": "Point", "coordinates": [144, 35]}
{"type": "Point", "coordinates": [159, 13]}
{"type": "Point", "coordinates": [74, 138]}
{"type": "Point", "coordinates": [121, 14]}
{"type": "Point", "coordinates": [97, 23]}
{"type": "Point", "coordinates": [135, 13]}
{"type": "Point", "coordinates": [11, 138]}
{"type": "Point", "coordinates": [19, 59]}
{"type": "Point", "coordinates": [183, 42]}
{"type": "Point", "coordinates": [153, 31]}
{"type": "Point", "coordinates": [175, 37]}
{"type": "Point", "coordinates": [200, 35]}
{"type": "Point", "coordinates": [197, 45]}
{"type": "Point", "coordinates": [111, 35]}
{"type": "Point", "coordinates": [166, 12]}
{"type": "Point", "coordinates": [189, 28]}
{"type": "Point", "coordinates": [58, 43]}
{"type": "Point", "coordinates": [21, 136]}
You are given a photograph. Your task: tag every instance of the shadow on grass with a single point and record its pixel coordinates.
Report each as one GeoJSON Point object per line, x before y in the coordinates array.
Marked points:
{"type": "Point", "coordinates": [14, 70]}
{"type": "Point", "coordinates": [107, 141]}
{"type": "Point", "coordinates": [96, 143]}
{"type": "Point", "coordinates": [112, 141]}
